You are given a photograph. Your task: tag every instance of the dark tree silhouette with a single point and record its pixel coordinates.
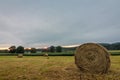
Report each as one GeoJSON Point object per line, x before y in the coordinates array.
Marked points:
{"type": "Point", "coordinates": [20, 49]}
{"type": "Point", "coordinates": [52, 49]}
{"type": "Point", "coordinates": [12, 49]}
{"type": "Point", "coordinates": [58, 49]}
{"type": "Point", "coordinates": [33, 50]}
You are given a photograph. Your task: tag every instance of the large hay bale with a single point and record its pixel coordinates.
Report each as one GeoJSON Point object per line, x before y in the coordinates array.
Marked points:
{"type": "Point", "coordinates": [92, 58]}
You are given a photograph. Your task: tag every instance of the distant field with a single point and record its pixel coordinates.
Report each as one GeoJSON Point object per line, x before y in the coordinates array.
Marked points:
{"type": "Point", "coordinates": [65, 53]}
{"type": "Point", "coordinates": [114, 50]}
{"type": "Point", "coordinates": [54, 68]}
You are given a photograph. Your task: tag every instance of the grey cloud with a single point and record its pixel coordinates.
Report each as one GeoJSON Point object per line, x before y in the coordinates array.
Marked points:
{"type": "Point", "coordinates": [32, 23]}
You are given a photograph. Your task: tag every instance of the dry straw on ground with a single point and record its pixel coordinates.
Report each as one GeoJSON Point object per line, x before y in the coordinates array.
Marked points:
{"type": "Point", "coordinates": [92, 58]}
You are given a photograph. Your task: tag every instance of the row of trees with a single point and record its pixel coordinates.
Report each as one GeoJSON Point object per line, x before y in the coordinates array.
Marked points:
{"type": "Point", "coordinates": [55, 49]}
{"type": "Point", "coordinates": [113, 46]}
{"type": "Point", "coordinates": [52, 49]}
{"type": "Point", "coordinates": [20, 49]}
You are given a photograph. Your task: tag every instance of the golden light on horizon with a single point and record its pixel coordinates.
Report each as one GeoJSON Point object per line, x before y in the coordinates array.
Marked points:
{"type": "Point", "coordinates": [69, 46]}
{"type": "Point", "coordinates": [3, 48]}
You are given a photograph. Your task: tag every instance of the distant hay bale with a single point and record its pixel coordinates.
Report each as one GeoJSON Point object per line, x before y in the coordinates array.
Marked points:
{"type": "Point", "coordinates": [46, 55]}
{"type": "Point", "coordinates": [92, 58]}
{"type": "Point", "coordinates": [20, 55]}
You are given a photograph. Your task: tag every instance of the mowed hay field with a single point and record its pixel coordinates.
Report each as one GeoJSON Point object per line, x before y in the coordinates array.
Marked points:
{"type": "Point", "coordinates": [54, 68]}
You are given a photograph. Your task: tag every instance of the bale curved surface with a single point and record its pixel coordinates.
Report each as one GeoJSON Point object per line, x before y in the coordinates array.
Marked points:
{"type": "Point", "coordinates": [92, 58]}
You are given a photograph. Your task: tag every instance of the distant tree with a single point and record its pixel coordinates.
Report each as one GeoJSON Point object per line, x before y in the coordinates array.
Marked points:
{"type": "Point", "coordinates": [12, 49]}
{"type": "Point", "coordinates": [115, 46]}
{"type": "Point", "coordinates": [106, 45]}
{"type": "Point", "coordinates": [45, 50]}
{"type": "Point", "coordinates": [20, 49]}
{"type": "Point", "coordinates": [27, 50]}
{"type": "Point", "coordinates": [52, 49]}
{"type": "Point", "coordinates": [58, 49]}
{"type": "Point", "coordinates": [33, 50]}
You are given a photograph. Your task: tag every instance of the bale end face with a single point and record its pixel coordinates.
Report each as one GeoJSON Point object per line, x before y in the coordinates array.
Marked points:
{"type": "Point", "coordinates": [92, 58]}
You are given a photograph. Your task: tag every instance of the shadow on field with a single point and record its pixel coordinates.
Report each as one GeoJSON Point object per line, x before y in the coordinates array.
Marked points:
{"type": "Point", "coordinates": [73, 73]}
{"type": "Point", "coordinates": [61, 73]}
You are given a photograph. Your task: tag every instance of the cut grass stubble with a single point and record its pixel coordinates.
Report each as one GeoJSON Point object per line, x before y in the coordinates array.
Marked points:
{"type": "Point", "coordinates": [54, 68]}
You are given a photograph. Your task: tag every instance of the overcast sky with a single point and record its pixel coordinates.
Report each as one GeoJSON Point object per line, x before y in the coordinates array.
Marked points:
{"type": "Point", "coordinates": [35, 23]}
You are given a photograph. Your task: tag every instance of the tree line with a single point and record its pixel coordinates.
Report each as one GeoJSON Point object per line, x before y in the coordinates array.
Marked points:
{"type": "Point", "coordinates": [112, 46]}
{"type": "Point", "coordinates": [20, 49]}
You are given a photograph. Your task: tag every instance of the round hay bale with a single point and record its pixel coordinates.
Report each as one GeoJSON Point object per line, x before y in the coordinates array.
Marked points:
{"type": "Point", "coordinates": [46, 55]}
{"type": "Point", "coordinates": [92, 58]}
{"type": "Point", "coordinates": [20, 55]}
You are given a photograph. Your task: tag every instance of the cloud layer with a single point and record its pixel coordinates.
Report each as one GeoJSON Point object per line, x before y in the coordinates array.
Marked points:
{"type": "Point", "coordinates": [64, 22]}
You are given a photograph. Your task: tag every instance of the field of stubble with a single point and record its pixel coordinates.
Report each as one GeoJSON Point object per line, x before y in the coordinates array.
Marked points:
{"type": "Point", "coordinates": [54, 68]}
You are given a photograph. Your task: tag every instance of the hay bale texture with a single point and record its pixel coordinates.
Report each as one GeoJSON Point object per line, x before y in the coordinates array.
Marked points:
{"type": "Point", "coordinates": [92, 58]}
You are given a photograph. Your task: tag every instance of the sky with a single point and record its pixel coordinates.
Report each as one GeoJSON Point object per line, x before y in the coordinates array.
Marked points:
{"type": "Point", "coordinates": [39, 23]}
